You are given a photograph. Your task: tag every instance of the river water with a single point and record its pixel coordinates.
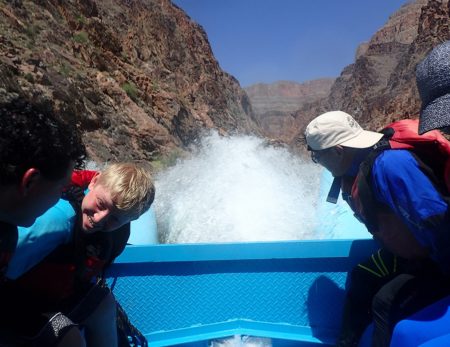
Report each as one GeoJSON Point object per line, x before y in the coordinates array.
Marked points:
{"type": "Point", "coordinates": [239, 188]}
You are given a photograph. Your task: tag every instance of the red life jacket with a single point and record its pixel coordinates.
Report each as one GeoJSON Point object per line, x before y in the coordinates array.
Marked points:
{"type": "Point", "coordinates": [82, 178]}
{"type": "Point", "coordinates": [431, 150]}
{"type": "Point", "coordinates": [74, 265]}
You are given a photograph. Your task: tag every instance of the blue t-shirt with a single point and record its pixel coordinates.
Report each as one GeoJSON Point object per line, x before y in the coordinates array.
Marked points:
{"type": "Point", "coordinates": [49, 231]}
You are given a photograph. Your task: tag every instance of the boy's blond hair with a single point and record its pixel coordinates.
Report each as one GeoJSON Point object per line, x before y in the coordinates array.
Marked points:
{"type": "Point", "coordinates": [131, 187]}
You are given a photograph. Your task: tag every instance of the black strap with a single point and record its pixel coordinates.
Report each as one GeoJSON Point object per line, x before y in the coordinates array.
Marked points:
{"type": "Point", "coordinates": [335, 188]}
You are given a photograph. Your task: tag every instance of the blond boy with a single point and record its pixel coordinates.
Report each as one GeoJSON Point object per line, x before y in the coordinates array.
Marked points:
{"type": "Point", "coordinates": [59, 257]}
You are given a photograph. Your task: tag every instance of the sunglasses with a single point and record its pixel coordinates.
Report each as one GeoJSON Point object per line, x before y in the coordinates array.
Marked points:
{"type": "Point", "coordinates": [316, 155]}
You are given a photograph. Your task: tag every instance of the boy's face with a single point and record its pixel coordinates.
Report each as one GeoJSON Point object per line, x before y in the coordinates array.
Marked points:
{"type": "Point", "coordinates": [98, 210]}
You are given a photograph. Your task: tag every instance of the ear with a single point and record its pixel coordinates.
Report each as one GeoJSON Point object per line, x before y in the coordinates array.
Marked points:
{"type": "Point", "coordinates": [29, 180]}
{"type": "Point", "coordinates": [94, 181]}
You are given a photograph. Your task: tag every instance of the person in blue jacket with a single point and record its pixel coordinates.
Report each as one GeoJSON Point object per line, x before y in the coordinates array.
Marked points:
{"type": "Point", "coordinates": [61, 255]}
{"type": "Point", "coordinates": [406, 212]}
{"type": "Point", "coordinates": [37, 155]}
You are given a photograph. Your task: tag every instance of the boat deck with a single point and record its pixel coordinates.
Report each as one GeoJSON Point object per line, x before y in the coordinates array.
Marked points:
{"type": "Point", "coordinates": [187, 295]}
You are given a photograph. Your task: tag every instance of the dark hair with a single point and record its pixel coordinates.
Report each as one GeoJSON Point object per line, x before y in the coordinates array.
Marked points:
{"type": "Point", "coordinates": [32, 137]}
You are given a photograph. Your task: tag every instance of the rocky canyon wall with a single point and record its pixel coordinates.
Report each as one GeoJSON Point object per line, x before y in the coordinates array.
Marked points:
{"type": "Point", "coordinates": [137, 77]}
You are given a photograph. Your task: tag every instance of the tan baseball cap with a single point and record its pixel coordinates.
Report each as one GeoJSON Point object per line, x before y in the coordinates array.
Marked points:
{"type": "Point", "coordinates": [338, 128]}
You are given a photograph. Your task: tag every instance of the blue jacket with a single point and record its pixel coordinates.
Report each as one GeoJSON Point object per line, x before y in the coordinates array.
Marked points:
{"type": "Point", "coordinates": [52, 229]}
{"type": "Point", "coordinates": [415, 208]}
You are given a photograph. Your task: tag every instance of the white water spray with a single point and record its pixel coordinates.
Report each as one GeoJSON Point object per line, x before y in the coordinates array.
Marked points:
{"type": "Point", "coordinates": [237, 189]}
{"type": "Point", "coordinates": [241, 341]}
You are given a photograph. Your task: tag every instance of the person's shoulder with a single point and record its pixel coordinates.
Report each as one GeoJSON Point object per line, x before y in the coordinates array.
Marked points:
{"type": "Point", "coordinates": [393, 170]}
{"type": "Point", "coordinates": [61, 211]}
{"type": "Point", "coordinates": [57, 220]}
{"type": "Point", "coordinates": [395, 159]}
{"type": "Point", "coordinates": [395, 164]}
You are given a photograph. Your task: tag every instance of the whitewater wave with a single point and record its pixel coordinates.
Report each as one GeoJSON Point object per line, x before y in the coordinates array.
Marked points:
{"type": "Point", "coordinates": [237, 189]}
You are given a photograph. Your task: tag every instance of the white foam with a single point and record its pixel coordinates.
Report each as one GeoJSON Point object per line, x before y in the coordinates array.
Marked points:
{"type": "Point", "coordinates": [237, 189]}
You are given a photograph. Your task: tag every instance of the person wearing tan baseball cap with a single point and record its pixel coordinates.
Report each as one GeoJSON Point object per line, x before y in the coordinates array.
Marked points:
{"type": "Point", "coordinates": [328, 135]}
{"type": "Point", "coordinates": [396, 200]}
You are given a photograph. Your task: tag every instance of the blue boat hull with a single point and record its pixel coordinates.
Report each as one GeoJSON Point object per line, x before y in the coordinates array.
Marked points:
{"type": "Point", "coordinates": [187, 295]}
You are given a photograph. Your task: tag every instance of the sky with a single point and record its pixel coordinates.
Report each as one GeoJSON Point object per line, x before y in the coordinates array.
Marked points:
{"type": "Point", "coordinates": [294, 40]}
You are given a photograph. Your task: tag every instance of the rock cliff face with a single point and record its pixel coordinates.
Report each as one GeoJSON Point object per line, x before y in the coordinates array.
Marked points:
{"type": "Point", "coordinates": [275, 103]}
{"type": "Point", "coordinates": [137, 77]}
{"type": "Point", "coordinates": [380, 86]}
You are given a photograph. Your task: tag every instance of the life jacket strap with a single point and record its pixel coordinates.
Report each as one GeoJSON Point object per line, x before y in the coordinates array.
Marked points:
{"type": "Point", "coordinates": [335, 189]}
